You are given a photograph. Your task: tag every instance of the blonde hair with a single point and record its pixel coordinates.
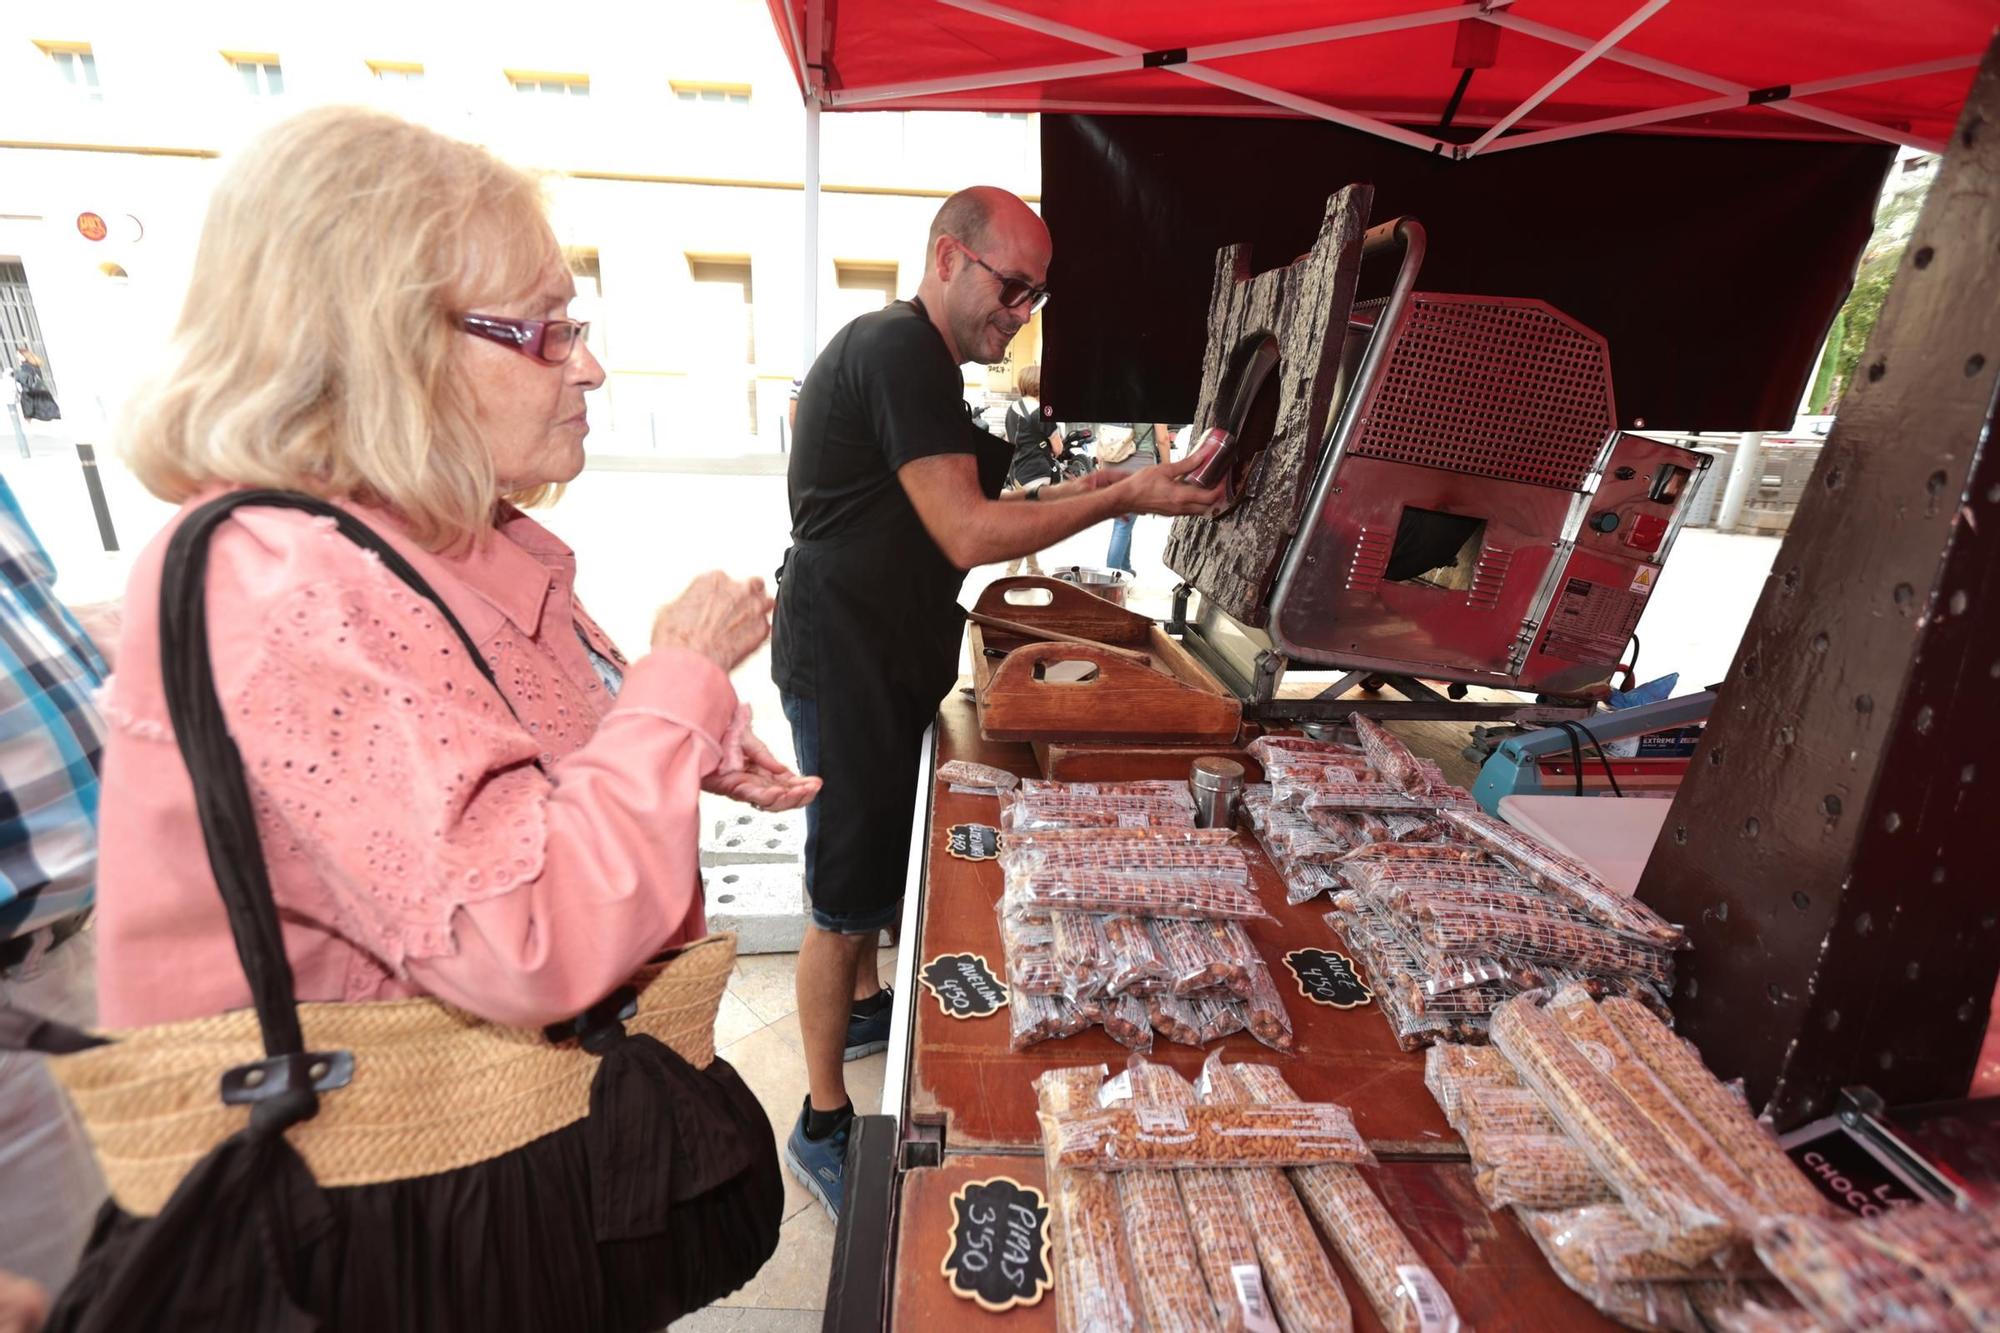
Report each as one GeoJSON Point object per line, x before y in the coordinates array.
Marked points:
{"type": "Point", "coordinates": [315, 350]}
{"type": "Point", "coordinates": [1029, 381]}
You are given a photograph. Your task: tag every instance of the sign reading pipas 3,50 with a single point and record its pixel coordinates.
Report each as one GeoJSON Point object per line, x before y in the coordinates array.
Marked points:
{"type": "Point", "coordinates": [964, 985]}
{"type": "Point", "coordinates": [999, 1252]}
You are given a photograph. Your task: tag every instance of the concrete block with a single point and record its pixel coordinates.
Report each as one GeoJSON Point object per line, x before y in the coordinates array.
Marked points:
{"type": "Point", "coordinates": [760, 902]}
{"type": "Point", "coordinates": [741, 836]}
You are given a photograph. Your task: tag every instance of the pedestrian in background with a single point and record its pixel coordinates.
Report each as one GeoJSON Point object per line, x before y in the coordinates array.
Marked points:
{"type": "Point", "coordinates": [1037, 440]}
{"type": "Point", "coordinates": [32, 381]}
{"type": "Point", "coordinates": [51, 748]}
{"type": "Point", "coordinates": [1147, 440]}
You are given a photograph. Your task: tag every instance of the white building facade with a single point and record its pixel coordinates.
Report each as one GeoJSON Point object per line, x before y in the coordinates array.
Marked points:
{"type": "Point", "coordinates": [671, 135]}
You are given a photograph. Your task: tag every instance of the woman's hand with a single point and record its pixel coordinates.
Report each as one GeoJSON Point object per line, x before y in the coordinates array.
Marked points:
{"type": "Point", "coordinates": [1160, 490]}
{"type": "Point", "coordinates": [23, 1304]}
{"type": "Point", "coordinates": [762, 781]}
{"type": "Point", "coordinates": [723, 619]}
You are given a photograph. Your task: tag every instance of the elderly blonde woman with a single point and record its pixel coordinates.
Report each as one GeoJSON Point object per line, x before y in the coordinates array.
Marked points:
{"type": "Point", "coordinates": [378, 317]}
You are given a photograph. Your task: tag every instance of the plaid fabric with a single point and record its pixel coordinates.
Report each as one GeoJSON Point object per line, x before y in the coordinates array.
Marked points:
{"type": "Point", "coordinates": [51, 738]}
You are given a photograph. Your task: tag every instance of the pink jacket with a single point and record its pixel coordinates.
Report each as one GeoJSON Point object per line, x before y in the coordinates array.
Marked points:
{"type": "Point", "coordinates": [413, 845]}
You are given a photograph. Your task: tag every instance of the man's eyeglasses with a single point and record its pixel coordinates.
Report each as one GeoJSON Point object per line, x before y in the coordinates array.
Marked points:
{"type": "Point", "coordinates": [550, 341]}
{"type": "Point", "coordinates": [1014, 292]}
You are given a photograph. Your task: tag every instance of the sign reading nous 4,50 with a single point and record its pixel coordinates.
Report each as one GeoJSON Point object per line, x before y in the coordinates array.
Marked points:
{"type": "Point", "coordinates": [1328, 978]}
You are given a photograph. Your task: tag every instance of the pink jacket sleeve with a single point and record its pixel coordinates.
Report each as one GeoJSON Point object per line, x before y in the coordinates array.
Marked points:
{"type": "Point", "coordinates": [378, 754]}
{"type": "Point", "coordinates": [620, 875]}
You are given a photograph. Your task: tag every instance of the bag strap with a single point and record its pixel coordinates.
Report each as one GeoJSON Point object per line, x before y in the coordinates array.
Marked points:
{"type": "Point", "coordinates": [283, 1088]}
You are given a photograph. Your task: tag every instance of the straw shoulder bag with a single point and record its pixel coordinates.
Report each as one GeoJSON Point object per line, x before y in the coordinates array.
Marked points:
{"type": "Point", "coordinates": [253, 1156]}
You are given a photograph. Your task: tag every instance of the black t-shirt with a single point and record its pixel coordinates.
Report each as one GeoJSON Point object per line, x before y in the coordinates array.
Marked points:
{"type": "Point", "coordinates": [864, 587]}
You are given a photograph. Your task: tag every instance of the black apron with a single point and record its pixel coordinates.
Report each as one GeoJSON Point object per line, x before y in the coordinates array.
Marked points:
{"type": "Point", "coordinates": [873, 617]}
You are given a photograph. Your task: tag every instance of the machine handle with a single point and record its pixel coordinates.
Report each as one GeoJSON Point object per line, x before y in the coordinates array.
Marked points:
{"type": "Point", "coordinates": [1404, 231]}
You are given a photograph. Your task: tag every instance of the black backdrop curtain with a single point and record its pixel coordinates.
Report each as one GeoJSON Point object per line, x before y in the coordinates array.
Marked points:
{"type": "Point", "coordinates": [1713, 267]}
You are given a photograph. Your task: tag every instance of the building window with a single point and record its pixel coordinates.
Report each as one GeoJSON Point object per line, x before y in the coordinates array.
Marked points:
{"type": "Point", "coordinates": [723, 316]}
{"type": "Point", "coordinates": [396, 71]}
{"type": "Point", "coordinates": [549, 85]}
{"type": "Point", "coordinates": [262, 75]}
{"type": "Point", "coordinates": [76, 63]}
{"type": "Point", "coordinates": [861, 285]}
{"type": "Point", "coordinates": [715, 94]}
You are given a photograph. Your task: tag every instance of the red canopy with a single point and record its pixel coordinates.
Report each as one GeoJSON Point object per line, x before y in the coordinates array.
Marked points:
{"type": "Point", "coordinates": [1766, 68]}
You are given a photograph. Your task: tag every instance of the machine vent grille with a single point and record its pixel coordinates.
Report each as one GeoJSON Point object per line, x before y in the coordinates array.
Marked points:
{"type": "Point", "coordinates": [1371, 557]}
{"type": "Point", "coordinates": [1488, 576]}
{"type": "Point", "coordinates": [1499, 388]}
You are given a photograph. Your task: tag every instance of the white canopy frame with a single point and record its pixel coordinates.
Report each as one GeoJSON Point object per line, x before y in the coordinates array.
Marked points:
{"type": "Point", "coordinates": [1192, 62]}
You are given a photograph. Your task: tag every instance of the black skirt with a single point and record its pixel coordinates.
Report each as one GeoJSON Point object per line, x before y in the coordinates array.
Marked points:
{"type": "Point", "coordinates": [628, 1219]}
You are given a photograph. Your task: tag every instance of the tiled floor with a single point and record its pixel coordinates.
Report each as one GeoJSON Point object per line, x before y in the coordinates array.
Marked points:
{"type": "Point", "coordinates": [757, 1031]}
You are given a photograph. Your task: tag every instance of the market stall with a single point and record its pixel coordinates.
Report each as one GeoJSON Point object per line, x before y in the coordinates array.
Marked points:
{"type": "Point", "coordinates": [1428, 1056]}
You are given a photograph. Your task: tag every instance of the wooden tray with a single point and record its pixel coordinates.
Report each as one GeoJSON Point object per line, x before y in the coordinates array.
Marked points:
{"type": "Point", "coordinates": [1175, 700]}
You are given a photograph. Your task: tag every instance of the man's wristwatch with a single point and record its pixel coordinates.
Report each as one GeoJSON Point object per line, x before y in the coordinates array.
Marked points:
{"type": "Point", "coordinates": [1036, 493]}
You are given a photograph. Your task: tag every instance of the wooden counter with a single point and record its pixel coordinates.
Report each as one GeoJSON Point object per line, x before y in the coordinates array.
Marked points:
{"type": "Point", "coordinates": [969, 1104]}
{"type": "Point", "coordinates": [963, 1077]}
{"type": "Point", "coordinates": [1495, 1276]}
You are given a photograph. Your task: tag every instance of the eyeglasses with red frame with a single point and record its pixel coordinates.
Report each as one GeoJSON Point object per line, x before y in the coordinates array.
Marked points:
{"type": "Point", "coordinates": [550, 341]}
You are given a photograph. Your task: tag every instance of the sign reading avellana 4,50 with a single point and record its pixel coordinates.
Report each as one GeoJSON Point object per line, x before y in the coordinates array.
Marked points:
{"type": "Point", "coordinates": [974, 842]}
{"type": "Point", "coordinates": [964, 984]}
{"type": "Point", "coordinates": [999, 1252]}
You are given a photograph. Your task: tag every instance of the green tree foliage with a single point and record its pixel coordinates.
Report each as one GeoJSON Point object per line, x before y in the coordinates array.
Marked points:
{"type": "Point", "coordinates": [1895, 218]}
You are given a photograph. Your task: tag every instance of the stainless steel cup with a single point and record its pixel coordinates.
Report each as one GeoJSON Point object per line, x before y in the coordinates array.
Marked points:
{"type": "Point", "coordinates": [1217, 784]}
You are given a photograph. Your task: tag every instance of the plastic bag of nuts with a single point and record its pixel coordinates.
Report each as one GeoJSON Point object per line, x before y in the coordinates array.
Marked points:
{"type": "Point", "coordinates": [1670, 1198]}
{"type": "Point", "coordinates": [978, 779]}
{"type": "Point", "coordinates": [1304, 1288]}
{"type": "Point", "coordinates": [1397, 1282]}
{"type": "Point", "coordinates": [1093, 1268]}
{"type": "Point", "coordinates": [1151, 1137]}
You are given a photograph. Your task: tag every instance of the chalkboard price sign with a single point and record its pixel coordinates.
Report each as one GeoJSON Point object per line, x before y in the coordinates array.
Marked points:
{"type": "Point", "coordinates": [964, 985]}
{"type": "Point", "coordinates": [974, 842]}
{"type": "Point", "coordinates": [1328, 978]}
{"type": "Point", "coordinates": [999, 1252]}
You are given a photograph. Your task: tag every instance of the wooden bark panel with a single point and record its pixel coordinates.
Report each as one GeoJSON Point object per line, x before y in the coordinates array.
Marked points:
{"type": "Point", "coordinates": [1831, 851]}
{"type": "Point", "coordinates": [1496, 1278]}
{"type": "Point", "coordinates": [1233, 558]}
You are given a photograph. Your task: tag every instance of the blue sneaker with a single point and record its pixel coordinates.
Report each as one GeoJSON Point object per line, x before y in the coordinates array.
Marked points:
{"type": "Point", "coordinates": [818, 1163]}
{"type": "Point", "coordinates": [869, 1034]}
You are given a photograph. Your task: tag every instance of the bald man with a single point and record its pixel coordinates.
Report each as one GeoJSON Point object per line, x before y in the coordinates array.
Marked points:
{"type": "Point", "coordinates": [895, 494]}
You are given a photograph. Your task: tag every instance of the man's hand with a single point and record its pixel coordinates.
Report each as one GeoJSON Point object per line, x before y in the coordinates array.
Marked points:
{"type": "Point", "coordinates": [762, 782]}
{"type": "Point", "coordinates": [1160, 490]}
{"type": "Point", "coordinates": [1090, 481]}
